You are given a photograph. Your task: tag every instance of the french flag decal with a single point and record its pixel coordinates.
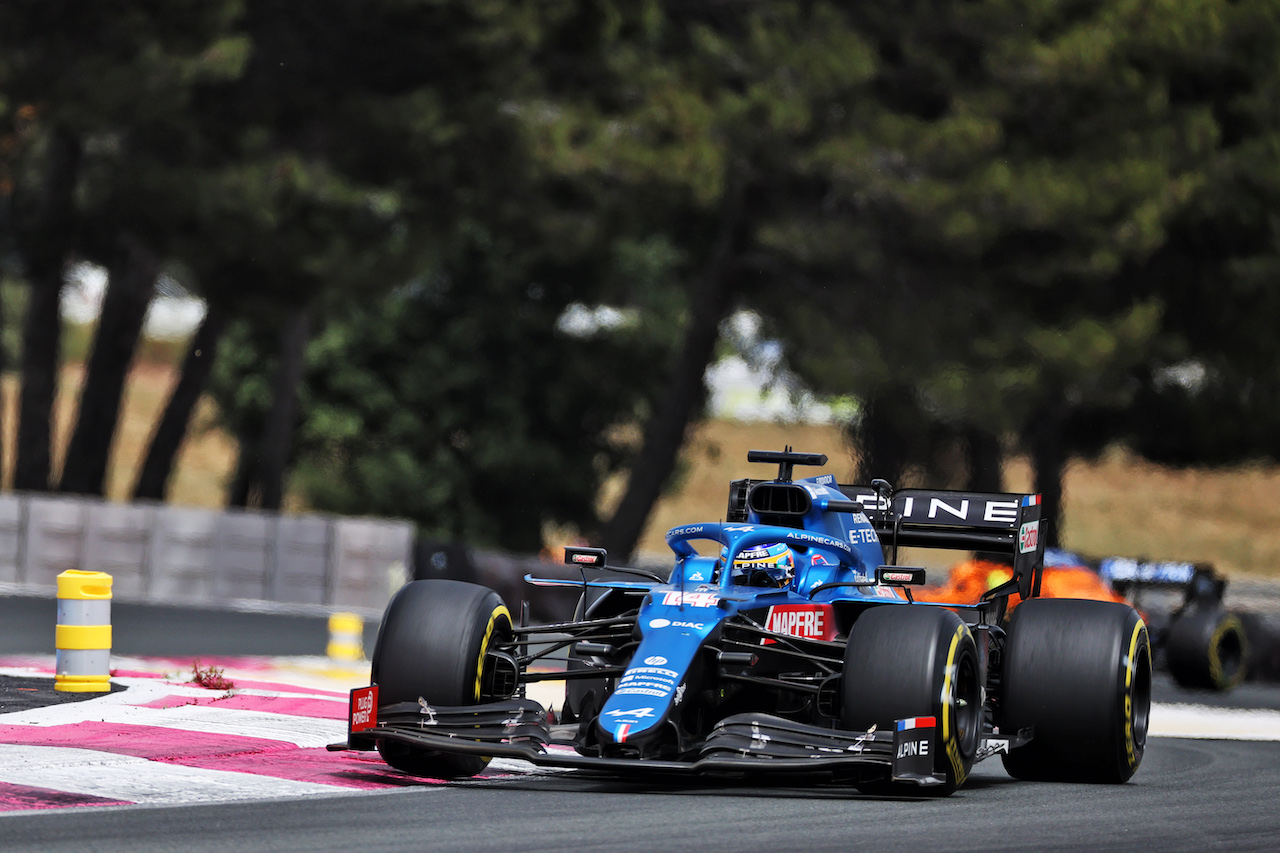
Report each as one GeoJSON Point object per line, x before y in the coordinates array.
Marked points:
{"type": "Point", "coordinates": [621, 734]}
{"type": "Point", "coordinates": [1031, 500]}
{"type": "Point", "coordinates": [916, 723]}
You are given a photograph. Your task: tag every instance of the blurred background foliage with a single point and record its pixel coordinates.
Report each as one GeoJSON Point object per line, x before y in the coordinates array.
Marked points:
{"type": "Point", "coordinates": [468, 263]}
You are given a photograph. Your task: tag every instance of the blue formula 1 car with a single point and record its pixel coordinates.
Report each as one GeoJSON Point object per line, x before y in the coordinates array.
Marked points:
{"type": "Point", "coordinates": [782, 642]}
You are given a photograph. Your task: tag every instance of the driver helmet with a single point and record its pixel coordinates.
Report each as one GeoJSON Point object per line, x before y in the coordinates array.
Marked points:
{"type": "Point", "coordinates": [772, 565]}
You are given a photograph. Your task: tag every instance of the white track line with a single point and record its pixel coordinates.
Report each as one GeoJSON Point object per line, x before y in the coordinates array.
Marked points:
{"type": "Point", "coordinates": [137, 780]}
{"type": "Point", "coordinates": [1204, 722]}
{"type": "Point", "coordinates": [120, 708]}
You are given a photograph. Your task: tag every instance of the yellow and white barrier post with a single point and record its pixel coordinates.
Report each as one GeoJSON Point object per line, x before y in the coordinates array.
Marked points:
{"type": "Point", "coordinates": [83, 637]}
{"type": "Point", "coordinates": [346, 637]}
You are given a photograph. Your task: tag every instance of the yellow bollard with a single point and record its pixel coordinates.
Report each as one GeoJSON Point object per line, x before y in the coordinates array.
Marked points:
{"type": "Point", "coordinates": [83, 638]}
{"type": "Point", "coordinates": [346, 637]}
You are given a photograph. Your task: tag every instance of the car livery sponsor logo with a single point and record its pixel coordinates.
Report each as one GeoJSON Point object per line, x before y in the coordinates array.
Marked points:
{"type": "Point", "coordinates": [634, 716]}
{"type": "Point", "coordinates": [975, 509]}
{"type": "Point", "coordinates": [962, 509]}
{"type": "Point", "coordinates": [796, 537]}
{"type": "Point", "coordinates": [911, 740]}
{"type": "Point", "coordinates": [863, 536]}
{"type": "Point", "coordinates": [647, 681]}
{"type": "Point", "coordinates": [655, 660]}
{"type": "Point", "coordinates": [691, 599]}
{"type": "Point", "coordinates": [897, 577]}
{"type": "Point", "coordinates": [809, 621]}
{"type": "Point", "coordinates": [697, 576]}
{"type": "Point", "coordinates": [667, 623]}
{"type": "Point", "coordinates": [364, 705]}
{"type": "Point", "coordinates": [686, 531]}
{"type": "Point", "coordinates": [820, 560]}
{"type": "Point", "coordinates": [585, 558]}
{"type": "Point", "coordinates": [825, 479]}
{"type": "Point", "coordinates": [1028, 536]}
{"type": "Point", "coordinates": [758, 553]}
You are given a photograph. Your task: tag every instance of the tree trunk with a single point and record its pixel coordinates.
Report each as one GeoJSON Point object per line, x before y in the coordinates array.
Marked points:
{"type": "Point", "coordinates": [889, 436]}
{"type": "Point", "coordinates": [982, 461]}
{"type": "Point", "coordinates": [1049, 458]}
{"type": "Point", "coordinates": [664, 432]}
{"type": "Point", "coordinates": [124, 308]}
{"type": "Point", "coordinates": [244, 485]}
{"type": "Point", "coordinates": [171, 430]}
{"type": "Point", "coordinates": [41, 342]}
{"type": "Point", "coordinates": [277, 435]}
{"type": "Point", "coordinates": [46, 247]}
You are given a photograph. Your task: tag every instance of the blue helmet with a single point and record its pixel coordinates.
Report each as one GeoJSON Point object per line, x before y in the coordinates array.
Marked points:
{"type": "Point", "coordinates": [764, 565]}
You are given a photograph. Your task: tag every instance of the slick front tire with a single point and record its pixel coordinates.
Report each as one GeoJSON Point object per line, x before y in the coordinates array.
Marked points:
{"type": "Point", "coordinates": [1206, 649]}
{"type": "Point", "coordinates": [1079, 673]}
{"type": "Point", "coordinates": [431, 645]}
{"type": "Point", "coordinates": [914, 661]}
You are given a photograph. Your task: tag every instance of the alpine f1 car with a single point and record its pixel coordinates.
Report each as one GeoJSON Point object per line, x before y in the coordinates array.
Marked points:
{"type": "Point", "coordinates": [781, 641]}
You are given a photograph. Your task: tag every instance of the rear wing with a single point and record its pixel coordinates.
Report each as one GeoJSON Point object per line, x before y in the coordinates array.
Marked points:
{"type": "Point", "coordinates": [966, 521]}
{"type": "Point", "coordinates": [1199, 582]}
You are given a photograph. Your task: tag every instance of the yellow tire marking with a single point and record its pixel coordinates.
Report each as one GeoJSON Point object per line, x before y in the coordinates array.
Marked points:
{"type": "Point", "coordinates": [498, 612]}
{"type": "Point", "coordinates": [1130, 664]}
{"type": "Point", "coordinates": [951, 745]}
{"type": "Point", "coordinates": [1215, 650]}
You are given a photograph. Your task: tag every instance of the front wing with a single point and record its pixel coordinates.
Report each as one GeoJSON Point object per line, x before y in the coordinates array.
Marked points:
{"type": "Point", "coordinates": [741, 743]}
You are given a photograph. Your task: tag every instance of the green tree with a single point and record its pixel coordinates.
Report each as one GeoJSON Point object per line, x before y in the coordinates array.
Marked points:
{"type": "Point", "coordinates": [701, 123]}
{"type": "Point", "coordinates": [330, 170]}
{"type": "Point", "coordinates": [90, 88]}
{"type": "Point", "coordinates": [1211, 394]}
{"type": "Point", "coordinates": [1031, 155]}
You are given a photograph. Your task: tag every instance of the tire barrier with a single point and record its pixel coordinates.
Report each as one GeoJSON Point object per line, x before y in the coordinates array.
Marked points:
{"type": "Point", "coordinates": [346, 637]}
{"type": "Point", "coordinates": [83, 633]}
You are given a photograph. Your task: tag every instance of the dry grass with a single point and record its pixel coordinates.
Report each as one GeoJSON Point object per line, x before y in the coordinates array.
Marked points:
{"type": "Point", "coordinates": [204, 464]}
{"type": "Point", "coordinates": [1115, 505]}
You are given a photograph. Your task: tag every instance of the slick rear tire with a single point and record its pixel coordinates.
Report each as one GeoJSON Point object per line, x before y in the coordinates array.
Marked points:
{"type": "Point", "coordinates": [1079, 672]}
{"type": "Point", "coordinates": [1206, 649]}
{"type": "Point", "coordinates": [914, 661]}
{"type": "Point", "coordinates": [431, 645]}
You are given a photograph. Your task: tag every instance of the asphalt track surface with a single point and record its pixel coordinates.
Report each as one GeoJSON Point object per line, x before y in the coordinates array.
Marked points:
{"type": "Point", "coordinates": [1188, 795]}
